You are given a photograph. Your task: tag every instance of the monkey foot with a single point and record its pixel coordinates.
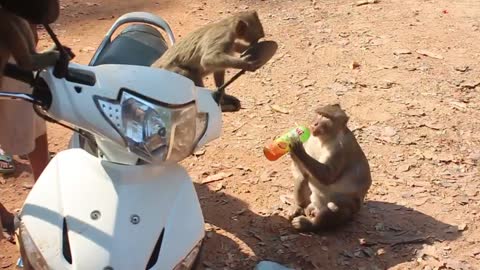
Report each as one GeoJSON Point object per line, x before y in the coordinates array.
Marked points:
{"type": "Point", "coordinates": [311, 211]}
{"type": "Point", "coordinates": [302, 223]}
{"type": "Point", "coordinates": [297, 211]}
{"type": "Point", "coordinates": [230, 104]}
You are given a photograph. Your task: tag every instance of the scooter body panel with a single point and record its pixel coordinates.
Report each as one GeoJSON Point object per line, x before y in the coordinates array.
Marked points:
{"type": "Point", "coordinates": [114, 214]}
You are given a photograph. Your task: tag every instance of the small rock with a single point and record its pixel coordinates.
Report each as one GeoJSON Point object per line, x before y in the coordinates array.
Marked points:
{"type": "Point", "coordinates": [429, 54]}
{"type": "Point", "coordinates": [3, 181]}
{"type": "Point", "coordinates": [87, 49]}
{"type": "Point", "coordinates": [402, 51]}
{"type": "Point", "coordinates": [462, 227]}
{"type": "Point", "coordinates": [445, 157]}
{"type": "Point", "coordinates": [379, 227]}
{"type": "Point", "coordinates": [387, 84]}
{"type": "Point", "coordinates": [368, 252]}
{"type": "Point", "coordinates": [413, 112]}
{"type": "Point", "coordinates": [389, 132]}
{"type": "Point", "coordinates": [218, 187]}
{"type": "Point", "coordinates": [381, 251]}
{"type": "Point", "coordinates": [422, 201]}
{"type": "Point", "coordinates": [457, 265]}
{"type": "Point", "coordinates": [366, 2]}
{"type": "Point", "coordinates": [362, 241]}
{"type": "Point", "coordinates": [462, 68]}
{"type": "Point", "coordinates": [347, 254]}
{"type": "Point", "coordinates": [216, 177]}
{"type": "Point", "coordinates": [473, 156]}
{"type": "Point", "coordinates": [288, 237]}
{"type": "Point", "coordinates": [27, 185]}
{"type": "Point", "coordinates": [106, 18]}
{"type": "Point", "coordinates": [429, 250]}
{"type": "Point", "coordinates": [435, 126]}
{"type": "Point", "coordinates": [404, 168]}
{"type": "Point", "coordinates": [459, 106]}
{"type": "Point", "coordinates": [280, 109]}
{"type": "Point", "coordinates": [359, 254]}
{"type": "Point", "coordinates": [476, 252]}
{"type": "Point", "coordinates": [200, 153]}
{"type": "Point", "coordinates": [338, 88]}
{"type": "Point", "coordinates": [354, 65]}
{"type": "Point", "coordinates": [389, 67]}
{"type": "Point", "coordinates": [6, 265]}
{"type": "Point", "coordinates": [286, 199]}
{"type": "Point", "coordinates": [268, 265]}
{"type": "Point", "coordinates": [470, 84]}
{"type": "Point", "coordinates": [307, 83]}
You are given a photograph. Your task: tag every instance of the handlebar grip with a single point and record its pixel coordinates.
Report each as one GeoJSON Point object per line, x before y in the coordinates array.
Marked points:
{"type": "Point", "coordinates": [17, 73]}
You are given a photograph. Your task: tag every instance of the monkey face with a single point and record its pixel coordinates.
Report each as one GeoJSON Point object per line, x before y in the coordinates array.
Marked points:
{"type": "Point", "coordinates": [250, 28]}
{"type": "Point", "coordinates": [322, 126]}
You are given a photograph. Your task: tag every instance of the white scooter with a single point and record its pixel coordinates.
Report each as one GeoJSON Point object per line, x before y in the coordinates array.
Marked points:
{"type": "Point", "coordinates": [117, 199]}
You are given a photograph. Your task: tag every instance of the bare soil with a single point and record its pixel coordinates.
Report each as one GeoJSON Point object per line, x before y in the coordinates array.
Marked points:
{"type": "Point", "coordinates": [413, 99]}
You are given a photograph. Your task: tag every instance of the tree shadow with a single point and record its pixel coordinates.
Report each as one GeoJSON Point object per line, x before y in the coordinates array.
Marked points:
{"type": "Point", "coordinates": [382, 236]}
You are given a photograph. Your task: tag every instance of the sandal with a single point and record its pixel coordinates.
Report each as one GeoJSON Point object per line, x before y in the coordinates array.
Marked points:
{"type": "Point", "coordinates": [6, 163]}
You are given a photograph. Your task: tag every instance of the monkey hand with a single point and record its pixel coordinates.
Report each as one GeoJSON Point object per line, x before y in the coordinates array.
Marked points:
{"type": "Point", "coordinates": [302, 223]}
{"type": "Point", "coordinates": [295, 212]}
{"type": "Point", "coordinates": [296, 147]}
{"type": "Point", "coordinates": [251, 65]}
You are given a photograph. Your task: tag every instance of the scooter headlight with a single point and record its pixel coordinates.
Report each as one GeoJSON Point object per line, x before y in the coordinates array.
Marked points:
{"type": "Point", "coordinates": [153, 131]}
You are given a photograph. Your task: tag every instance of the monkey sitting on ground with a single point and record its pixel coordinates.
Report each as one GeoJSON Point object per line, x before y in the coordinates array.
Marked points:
{"type": "Point", "coordinates": [332, 174]}
{"type": "Point", "coordinates": [18, 40]}
{"type": "Point", "coordinates": [211, 49]}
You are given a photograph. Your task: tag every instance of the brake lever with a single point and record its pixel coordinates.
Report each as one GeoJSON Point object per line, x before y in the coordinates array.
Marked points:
{"type": "Point", "coordinates": [68, 51]}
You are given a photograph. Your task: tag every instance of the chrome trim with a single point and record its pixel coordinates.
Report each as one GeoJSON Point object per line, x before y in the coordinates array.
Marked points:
{"type": "Point", "coordinates": [25, 97]}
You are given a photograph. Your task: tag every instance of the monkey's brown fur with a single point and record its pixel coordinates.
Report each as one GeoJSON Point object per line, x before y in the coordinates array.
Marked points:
{"type": "Point", "coordinates": [332, 174]}
{"type": "Point", "coordinates": [18, 40]}
{"type": "Point", "coordinates": [211, 49]}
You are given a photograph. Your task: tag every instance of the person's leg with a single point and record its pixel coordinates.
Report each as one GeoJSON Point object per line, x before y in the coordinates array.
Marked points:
{"type": "Point", "coordinates": [6, 223]}
{"type": "Point", "coordinates": [39, 157]}
{"type": "Point", "coordinates": [22, 138]}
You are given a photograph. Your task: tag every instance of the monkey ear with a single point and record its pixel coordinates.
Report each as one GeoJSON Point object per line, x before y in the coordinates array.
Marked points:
{"type": "Point", "coordinates": [241, 28]}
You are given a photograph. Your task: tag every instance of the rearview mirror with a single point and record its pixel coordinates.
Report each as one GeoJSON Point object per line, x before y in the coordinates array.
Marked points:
{"type": "Point", "coordinates": [262, 51]}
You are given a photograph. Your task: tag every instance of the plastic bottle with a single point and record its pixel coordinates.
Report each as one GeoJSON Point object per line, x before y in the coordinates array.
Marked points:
{"type": "Point", "coordinates": [281, 145]}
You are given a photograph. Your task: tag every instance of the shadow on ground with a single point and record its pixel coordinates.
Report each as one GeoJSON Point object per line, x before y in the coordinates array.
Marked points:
{"type": "Point", "coordinates": [390, 235]}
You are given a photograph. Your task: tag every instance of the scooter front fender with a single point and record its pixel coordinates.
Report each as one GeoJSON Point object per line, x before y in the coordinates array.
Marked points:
{"type": "Point", "coordinates": [112, 215]}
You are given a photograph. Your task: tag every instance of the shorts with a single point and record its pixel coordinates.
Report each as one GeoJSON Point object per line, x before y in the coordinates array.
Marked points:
{"type": "Point", "coordinates": [20, 126]}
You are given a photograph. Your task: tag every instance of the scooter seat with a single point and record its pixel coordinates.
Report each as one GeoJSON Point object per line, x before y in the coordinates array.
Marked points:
{"type": "Point", "coordinates": [138, 44]}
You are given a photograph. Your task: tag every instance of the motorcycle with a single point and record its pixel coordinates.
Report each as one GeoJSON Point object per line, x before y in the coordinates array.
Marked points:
{"type": "Point", "coordinates": [117, 197]}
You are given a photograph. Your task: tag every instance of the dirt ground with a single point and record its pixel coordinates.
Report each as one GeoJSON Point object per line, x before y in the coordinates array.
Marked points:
{"type": "Point", "coordinates": [414, 107]}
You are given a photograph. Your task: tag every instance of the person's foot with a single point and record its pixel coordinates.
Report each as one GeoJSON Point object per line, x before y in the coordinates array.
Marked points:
{"type": "Point", "coordinates": [6, 163]}
{"type": "Point", "coordinates": [8, 224]}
